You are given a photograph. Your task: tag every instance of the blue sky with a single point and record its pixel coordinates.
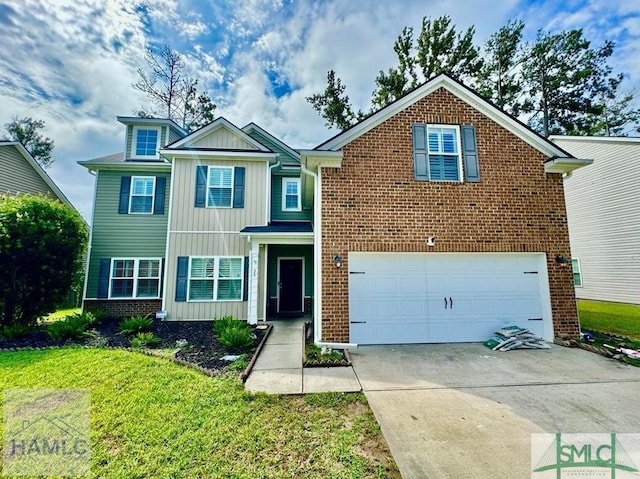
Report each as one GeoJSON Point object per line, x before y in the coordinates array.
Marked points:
{"type": "Point", "coordinates": [72, 62]}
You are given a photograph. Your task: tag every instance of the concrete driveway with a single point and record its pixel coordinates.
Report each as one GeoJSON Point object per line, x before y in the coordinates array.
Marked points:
{"type": "Point", "coordinates": [462, 410]}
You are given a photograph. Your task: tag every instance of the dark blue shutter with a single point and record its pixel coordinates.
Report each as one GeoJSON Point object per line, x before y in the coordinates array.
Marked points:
{"type": "Point", "coordinates": [420, 154]}
{"type": "Point", "coordinates": [201, 186]}
{"type": "Point", "coordinates": [158, 206]}
{"type": "Point", "coordinates": [245, 292]}
{"type": "Point", "coordinates": [470, 154]}
{"type": "Point", "coordinates": [181, 278]}
{"type": "Point", "coordinates": [238, 187]}
{"type": "Point", "coordinates": [161, 289]}
{"type": "Point", "coordinates": [103, 278]}
{"type": "Point", "coordinates": [125, 188]}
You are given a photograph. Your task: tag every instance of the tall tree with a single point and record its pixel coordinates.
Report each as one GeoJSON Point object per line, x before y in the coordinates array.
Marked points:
{"type": "Point", "coordinates": [564, 78]}
{"type": "Point", "coordinates": [399, 80]}
{"type": "Point", "coordinates": [26, 131]}
{"type": "Point", "coordinates": [442, 49]}
{"type": "Point", "coordinates": [332, 104]}
{"type": "Point", "coordinates": [171, 91]}
{"type": "Point", "coordinates": [499, 78]}
{"type": "Point", "coordinates": [617, 117]}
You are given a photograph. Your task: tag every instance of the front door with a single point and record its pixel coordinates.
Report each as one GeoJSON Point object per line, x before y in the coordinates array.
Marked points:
{"type": "Point", "coordinates": [290, 285]}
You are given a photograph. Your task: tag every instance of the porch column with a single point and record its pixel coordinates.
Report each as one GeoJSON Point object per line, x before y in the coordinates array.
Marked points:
{"type": "Point", "coordinates": [254, 261]}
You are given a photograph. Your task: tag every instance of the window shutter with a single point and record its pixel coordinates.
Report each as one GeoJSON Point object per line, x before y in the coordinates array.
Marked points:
{"type": "Point", "coordinates": [103, 278]}
{"type": "Point", "coordinates": [420, 155]}
{"type": "Point", "coordinates": [161, 288]}
{"type": "Point", "coordinates": [245, 289]}
{"type": "Point", "coordinates": [201, 186]}
{"type": "Point", "coordinates": [158, 206]}
{"type": "Point", "coordinates": [181, 278]}
{"type": "Point", "coordinates": [238, 187]}
{"type": "Point", "coordinates": [125, 188]}
{"type": "Point", "coordinates": [470, 154]}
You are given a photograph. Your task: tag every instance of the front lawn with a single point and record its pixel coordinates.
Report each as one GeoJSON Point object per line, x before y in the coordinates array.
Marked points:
{"type": "Point", "coordinates": [613, 318]}
{"type": "Point", "coordinates": [153, 418]}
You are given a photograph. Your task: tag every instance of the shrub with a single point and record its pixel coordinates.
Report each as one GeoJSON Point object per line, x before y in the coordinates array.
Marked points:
{"type": "Point", "coordinates": [237, 337]}
{"type": "Point", "coordinates": [227, 322]}
{"type": "Point", "coordinates": [136, 324]}
{"type": "Point", "coordinates": [15, 331]}
{"type": "Point", "coordinates": [73, 326]}
{"type": "Point", "coordinates": [145, 340]}
{"type": "Point", "coordinates": [42, 242]}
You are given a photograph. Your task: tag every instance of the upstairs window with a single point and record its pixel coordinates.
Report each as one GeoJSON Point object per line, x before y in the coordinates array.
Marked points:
{"type": "Point", "coordinates": [142, 194]}
{"type": "Point", "coordinates": [220, 187]}
{"type": "Point", "coordinates": [291, 194]}
{"type": "Point", "coordinates": [577, 272]}
{"type": "Point", "coordinates": [439, 152]}
{"type": "Point", "coordinates": [145, 142]}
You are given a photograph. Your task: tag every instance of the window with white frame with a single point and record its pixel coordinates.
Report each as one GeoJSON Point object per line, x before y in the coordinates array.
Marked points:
{"type": "Point", "coordinates": [216, 278]}
{"type": "Point", "coordinates": [220, 187]}
{"type": "Point", "coordinates": [135, 278]}
{"type": "Point", "coordinates": [444, 153]}
{"type": "Point", "coordinates": [142, 194]}
{"type": "Point", "coordinates": [577, 273]}
{"type": "Point", "coordinates": [291, 194]}
{"type": "Point", "coordinates": [145, 142]}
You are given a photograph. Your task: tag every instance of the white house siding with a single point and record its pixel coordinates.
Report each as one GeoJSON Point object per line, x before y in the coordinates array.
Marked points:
{"type": "Point", "coordinates": [210, 232]}
{"type": "Point", "coordinates": [18, 176]}
{"type": "Point", "coordinates": [603, 208]}
{"type": "Point", "coordinates": [223, 138]}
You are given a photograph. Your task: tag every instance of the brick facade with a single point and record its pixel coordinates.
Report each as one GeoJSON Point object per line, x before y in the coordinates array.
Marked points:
{"type": "Point", "coordinates": [125, 307]}
{"type": "Point", "coordinates": [373, 203]}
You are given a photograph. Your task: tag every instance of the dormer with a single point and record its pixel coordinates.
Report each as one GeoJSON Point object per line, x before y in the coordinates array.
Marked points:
{"type": "Point", "coordinates": [145, 137]}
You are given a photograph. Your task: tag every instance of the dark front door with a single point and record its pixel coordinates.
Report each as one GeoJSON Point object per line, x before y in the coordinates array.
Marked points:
{"type": "Point", "coordinates": [290, 286]}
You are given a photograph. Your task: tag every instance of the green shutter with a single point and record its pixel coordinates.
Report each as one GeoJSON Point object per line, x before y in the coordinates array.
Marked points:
{"type": "Point", "coordinates": [103, 278]}
{"type": "Point", "coordinates": [420, 169]}
{"type": "Point", "coordinates": [158, 206]}
{"type": "Point", "coordinates": [245, 291]}
{"type": "Point", "coordinates": [201, 186]}
{"type": "Point", "coordinates": [181, 278]}
{"type": "Point", "coordinates": [470, 154]}
{"type": "Point", "coordinates": [238, 187]}
{"type": "Point", "coordinates": [125, 188]}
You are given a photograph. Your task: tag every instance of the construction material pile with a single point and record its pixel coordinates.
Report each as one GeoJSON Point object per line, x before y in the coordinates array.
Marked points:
{"type": "Point", "coordinates": [515, 337]}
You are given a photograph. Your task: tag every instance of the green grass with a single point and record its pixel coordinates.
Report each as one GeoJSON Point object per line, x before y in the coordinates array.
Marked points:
{"type": "Point", "coordinates": [153, 418]}
{"type": "Point", "coordinates": [613, 318]}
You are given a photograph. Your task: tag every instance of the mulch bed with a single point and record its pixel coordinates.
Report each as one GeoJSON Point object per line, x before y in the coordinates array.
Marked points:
{"type": "Point", "coordinates": [202, 350]}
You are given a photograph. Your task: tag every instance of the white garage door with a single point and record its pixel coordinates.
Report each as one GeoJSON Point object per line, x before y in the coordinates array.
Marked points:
{"type": "Point", "coordinates": [399, 298]}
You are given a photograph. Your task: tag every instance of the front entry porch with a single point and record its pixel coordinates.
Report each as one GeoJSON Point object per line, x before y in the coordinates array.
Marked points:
{"type": "Point", "coordinates": [281, 270]}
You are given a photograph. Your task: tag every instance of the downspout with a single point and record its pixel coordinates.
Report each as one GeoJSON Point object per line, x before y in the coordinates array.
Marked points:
{"type": "Point", "coordinates": [317, 254]}
{"type": "Point", "coordinates": [168, 238]}
{"type": "Point", "coordinates": [88, 254]}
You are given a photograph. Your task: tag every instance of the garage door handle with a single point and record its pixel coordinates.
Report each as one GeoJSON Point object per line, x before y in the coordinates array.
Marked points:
{"type": "Point", "coordinates": [450, 303]}
{"type": "Point", "coordinates": [535, 319]}
{"type": "Point", "coordinates": [356, 272]}
{"type": "Point", "coordinates": [357, 322]}
{"type": "Point", "coordinates": [445, 302]}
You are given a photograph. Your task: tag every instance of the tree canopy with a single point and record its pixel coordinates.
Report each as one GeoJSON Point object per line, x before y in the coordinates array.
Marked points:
{"type": "Point", "coordinates": [42, 242]}
{"type": "Point", "coordinates": [27, 131]}
{"type": "Point", "coordinates": [172, 93]}
{"type": "Point", "coordinates": [559, 83]}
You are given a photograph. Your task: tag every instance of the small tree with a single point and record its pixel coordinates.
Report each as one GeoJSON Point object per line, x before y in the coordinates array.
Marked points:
{"type": "Point", "coordinates": [42, 242]}
{"type": "Point", "coordinates": [25, 130]}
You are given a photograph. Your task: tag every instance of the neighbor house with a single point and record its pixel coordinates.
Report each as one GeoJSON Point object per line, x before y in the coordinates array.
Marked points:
{"type": "Point", "coordinates": [22, 174]}
{"type": "Point", "coordinates": [437, 219]}
{"type": "Point", "coordinates": [603, 208]}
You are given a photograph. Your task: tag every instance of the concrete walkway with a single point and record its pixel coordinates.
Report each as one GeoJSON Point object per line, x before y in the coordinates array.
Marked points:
{"type": "Point", "coordinates": [278, 369]}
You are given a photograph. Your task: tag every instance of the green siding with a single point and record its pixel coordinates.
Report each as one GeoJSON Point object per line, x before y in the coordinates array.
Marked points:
{"type": "Point", "coordinates": [120, 235]}
{"type": "Point", "coordinates": [289, 251]}
{"type": "Point", "coordinates": [285, 156]}
{"type": "Point", "coordinates": [276, 201]}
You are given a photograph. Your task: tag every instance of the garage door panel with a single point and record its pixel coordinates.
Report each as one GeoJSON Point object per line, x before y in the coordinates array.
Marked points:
{"type": "Point", "coordinates": [400, 297]}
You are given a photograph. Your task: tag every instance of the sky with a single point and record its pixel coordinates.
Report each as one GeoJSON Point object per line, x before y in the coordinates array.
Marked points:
{"type": "Point", "coordinates": [71, 63]}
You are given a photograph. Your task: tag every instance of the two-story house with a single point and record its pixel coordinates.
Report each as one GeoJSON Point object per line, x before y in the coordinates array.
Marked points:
{"type": "Point", "coordinates": [437, 219]}
{"type": "Point", "coordinates": [201, 226]}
